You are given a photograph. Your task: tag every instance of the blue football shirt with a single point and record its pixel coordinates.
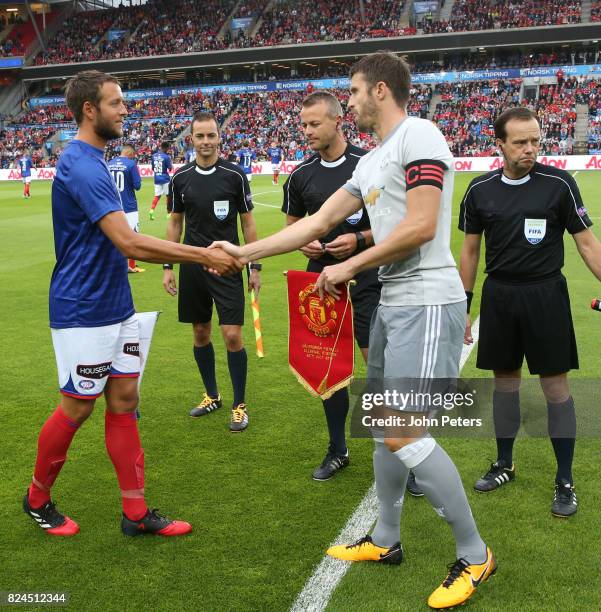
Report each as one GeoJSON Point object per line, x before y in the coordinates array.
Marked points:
{"type": "Point", "coordinates": [275, 154]}
{"type": "Point", "coordinates": [89, 286]}
{"type": "Point", "coordinates": [245, 159]}
{"type": "Point", "coordinates": [126, 175]}
{"type": "Point", "coordinates": [25, 165]}
{"type": "Point", "coordinates": [161, 164]}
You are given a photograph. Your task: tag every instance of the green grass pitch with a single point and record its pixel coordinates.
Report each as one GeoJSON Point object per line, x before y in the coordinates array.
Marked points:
{"type": "Point", "coordinates": [261, 525]}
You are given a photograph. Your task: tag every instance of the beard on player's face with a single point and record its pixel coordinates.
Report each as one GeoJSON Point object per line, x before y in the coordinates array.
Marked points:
{"type": "Point", "coordinates": [366, 116]}
{"type": "Point", "coordinates": [106, 129]}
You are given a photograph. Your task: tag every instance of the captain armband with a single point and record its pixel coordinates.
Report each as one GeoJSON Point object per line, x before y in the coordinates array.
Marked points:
{"type": "Point", "coordinates": [424, 172]}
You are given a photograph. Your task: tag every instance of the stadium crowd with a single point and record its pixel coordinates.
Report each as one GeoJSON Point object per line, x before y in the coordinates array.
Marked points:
{"type": "Point", "coordinates": [13, 140]}
{"type": "Point", "coordinates": [11, 46]}
{"type": "Point", "coordinates": [556, 110]}
{"type": "Point", "coordinates": [466, 113]}
{"type": "Point", "coordinates": [165, 27]}
{"type": "Point", "coordinates": [493, 14]}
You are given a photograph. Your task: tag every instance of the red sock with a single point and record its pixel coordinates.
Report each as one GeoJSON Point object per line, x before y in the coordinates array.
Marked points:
{"type": "Point", "coordinates": [123, 446]}
{"type": "Point", "coordinates": [131, 264]}
{"type": "Point", "coordinates": [54, 440]}
{"type": "Point", "coordinates": [27, 189]}
{"type": "Point", "coordinates": [155, 202]}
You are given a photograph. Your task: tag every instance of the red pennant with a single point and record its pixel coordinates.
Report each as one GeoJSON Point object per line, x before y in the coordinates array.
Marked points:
{"type": "Point", "coordinates": [320, 341]}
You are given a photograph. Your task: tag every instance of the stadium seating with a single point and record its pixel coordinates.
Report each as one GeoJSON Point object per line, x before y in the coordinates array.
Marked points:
{"type": "Point", "coordinates": [556, 110]}
{"type": "Point", "coordinates": [589, 92]}
{"type": "Point", "coordinates": [165, 27]}
{"type": "Point", "coordinates": [467, 112]}
{"type": "Point", "coordinates": [596, 11]}
{"type": "Point", "coordinates": [14, 139]}
{"type": "Point", "coordinates": [156, 28]}
{"type": "Point", "coordinates": [489, 14]}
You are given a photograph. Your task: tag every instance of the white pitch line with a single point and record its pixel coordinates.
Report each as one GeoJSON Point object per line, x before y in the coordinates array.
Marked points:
{"type": "Point", "coordinates": [268, 205]}
{"type": "Point", "coordinates": [575, 173]}
{"type": "Point", "coordinates": [264, 192]}
{"type": "Point", "coordinates": [319, 587]}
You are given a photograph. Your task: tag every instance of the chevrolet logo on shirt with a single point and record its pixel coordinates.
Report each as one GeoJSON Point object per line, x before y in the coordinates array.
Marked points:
{"type": "Point", "coordinates": [372, 197]}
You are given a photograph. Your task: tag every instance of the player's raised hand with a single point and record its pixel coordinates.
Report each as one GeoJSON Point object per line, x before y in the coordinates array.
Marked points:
{"type": "Point", "coordinates": [221, 263]}
{"type": "Point", "coordinates": [313, 250]}
{"type": "Point", "coordinates": [468, 338]}
{"type": "Point", "coordinates": [332, 276]}
{"type": "Point", "coordinates": [343, 246]}
{"type": "Point", "coordinates": [169, 282]}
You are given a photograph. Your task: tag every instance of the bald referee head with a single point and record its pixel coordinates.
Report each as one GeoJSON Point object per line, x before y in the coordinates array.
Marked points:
{"type": "Point", "coordinates": [321, 119]}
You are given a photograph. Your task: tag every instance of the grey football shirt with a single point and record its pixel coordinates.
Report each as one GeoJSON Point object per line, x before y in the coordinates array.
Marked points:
{"type": "Point", "coordinates": [428, 276]}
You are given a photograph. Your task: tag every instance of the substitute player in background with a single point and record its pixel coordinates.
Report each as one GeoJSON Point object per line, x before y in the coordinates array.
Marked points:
{"type": "Point", "coordinates": [246, 157]}
{"type": "Point", "coordinates": [25, 164]}
{"type": "Point", "coordinates": [126, 175]}
{"type": "Point", "coordinates": [210, 194]}
{"type": "Point", "coordinates": [161, 164]}
{"type": "Point", "coordinates": [307, 188]}
{"type": "Point", "coordinates": [276, 156]}
{"type": "Point", "coordinates": [417, 330]}
{"type": "Point", "coordinates": [92, 319]}
{"type": "Point", "coordinates": [523, 209]}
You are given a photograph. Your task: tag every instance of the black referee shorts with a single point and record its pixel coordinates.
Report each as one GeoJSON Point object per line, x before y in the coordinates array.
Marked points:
{"type": "Point", "coordinates": [531, 319]}
{"type": "Point", "coordinates": [365, 296]}
{"type": "Point", "coordinates": [198, 290]}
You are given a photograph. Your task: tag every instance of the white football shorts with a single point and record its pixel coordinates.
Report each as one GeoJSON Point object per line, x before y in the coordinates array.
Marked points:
{"type": "Point", "coordinates": [161, 190]}
{"type": "Point", "coordinates": [134, 220]}
{"type": "Point", "coordinates": [86, 357]}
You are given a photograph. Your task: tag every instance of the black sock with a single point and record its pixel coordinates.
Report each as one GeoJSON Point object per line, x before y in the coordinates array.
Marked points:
{"type": "Point", "coordinates": [336, 409]}
{"type": "Point", "coordinates": [237, 362]}
{"type": "Point", "coordinates": [506, 417]}
{"type": "Point", "coordinates": [562, 431]}
{"type": "Point", "coordinates": [205, 359]}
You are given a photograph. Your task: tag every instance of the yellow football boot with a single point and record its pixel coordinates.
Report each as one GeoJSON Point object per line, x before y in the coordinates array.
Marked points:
{"type": "Point", "coordinates": [461, 582]}
{"type": "Point", "coordinates": [366, 550]}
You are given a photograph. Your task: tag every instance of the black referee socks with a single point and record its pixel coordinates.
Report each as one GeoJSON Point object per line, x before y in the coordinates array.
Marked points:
{"type": "Point", "coordinates": [562, 431]}
{"type": "Point", "coordinates": [205, 359]}
{"type": "Point", "coordinates": [237, 363]}
{"type": "Point", "coordinates": [506, 417]}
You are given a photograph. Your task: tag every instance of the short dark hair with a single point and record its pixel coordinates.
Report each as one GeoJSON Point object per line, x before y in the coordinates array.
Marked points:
{"type": "Point", "coordinates": [203, 116]}
{"type": "Point", "coordinates": [129, 146]}
{"type": "Point", "coordinates": [165, 146]}
{"type": "Point", "coordinates": [521, 113]}
{"type": "Point", "coordinates": [334, 107]}
{"type": "Point", "coordinates": [85, 87]}
{"type": "Point", "coordinates": [389, 68]}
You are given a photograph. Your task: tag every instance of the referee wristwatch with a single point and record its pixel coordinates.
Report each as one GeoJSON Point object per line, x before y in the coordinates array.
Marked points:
{"type": "Point", "coordinates": [256, 266]}
{"type": "Point", "coordinates": [360, 241]}
{"type": "Point", "coordinates": [167, 266]}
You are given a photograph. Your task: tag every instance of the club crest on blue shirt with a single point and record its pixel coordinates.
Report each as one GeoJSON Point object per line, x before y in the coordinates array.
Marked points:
{"type": "Point", "coordinates": [355, 217]}
{"type": "Point", "coordinates": [535, 230]}
{"type": "Point", "coordinates": [221, 209]}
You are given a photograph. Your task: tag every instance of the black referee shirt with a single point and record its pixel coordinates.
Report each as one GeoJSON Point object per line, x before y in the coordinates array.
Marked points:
{"type": "Point", "coordinates": [311, 183]}
{"type": "Point", "coordinates": [210, 199]}
{"type": "Point", "coordinates": [523, 220]}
